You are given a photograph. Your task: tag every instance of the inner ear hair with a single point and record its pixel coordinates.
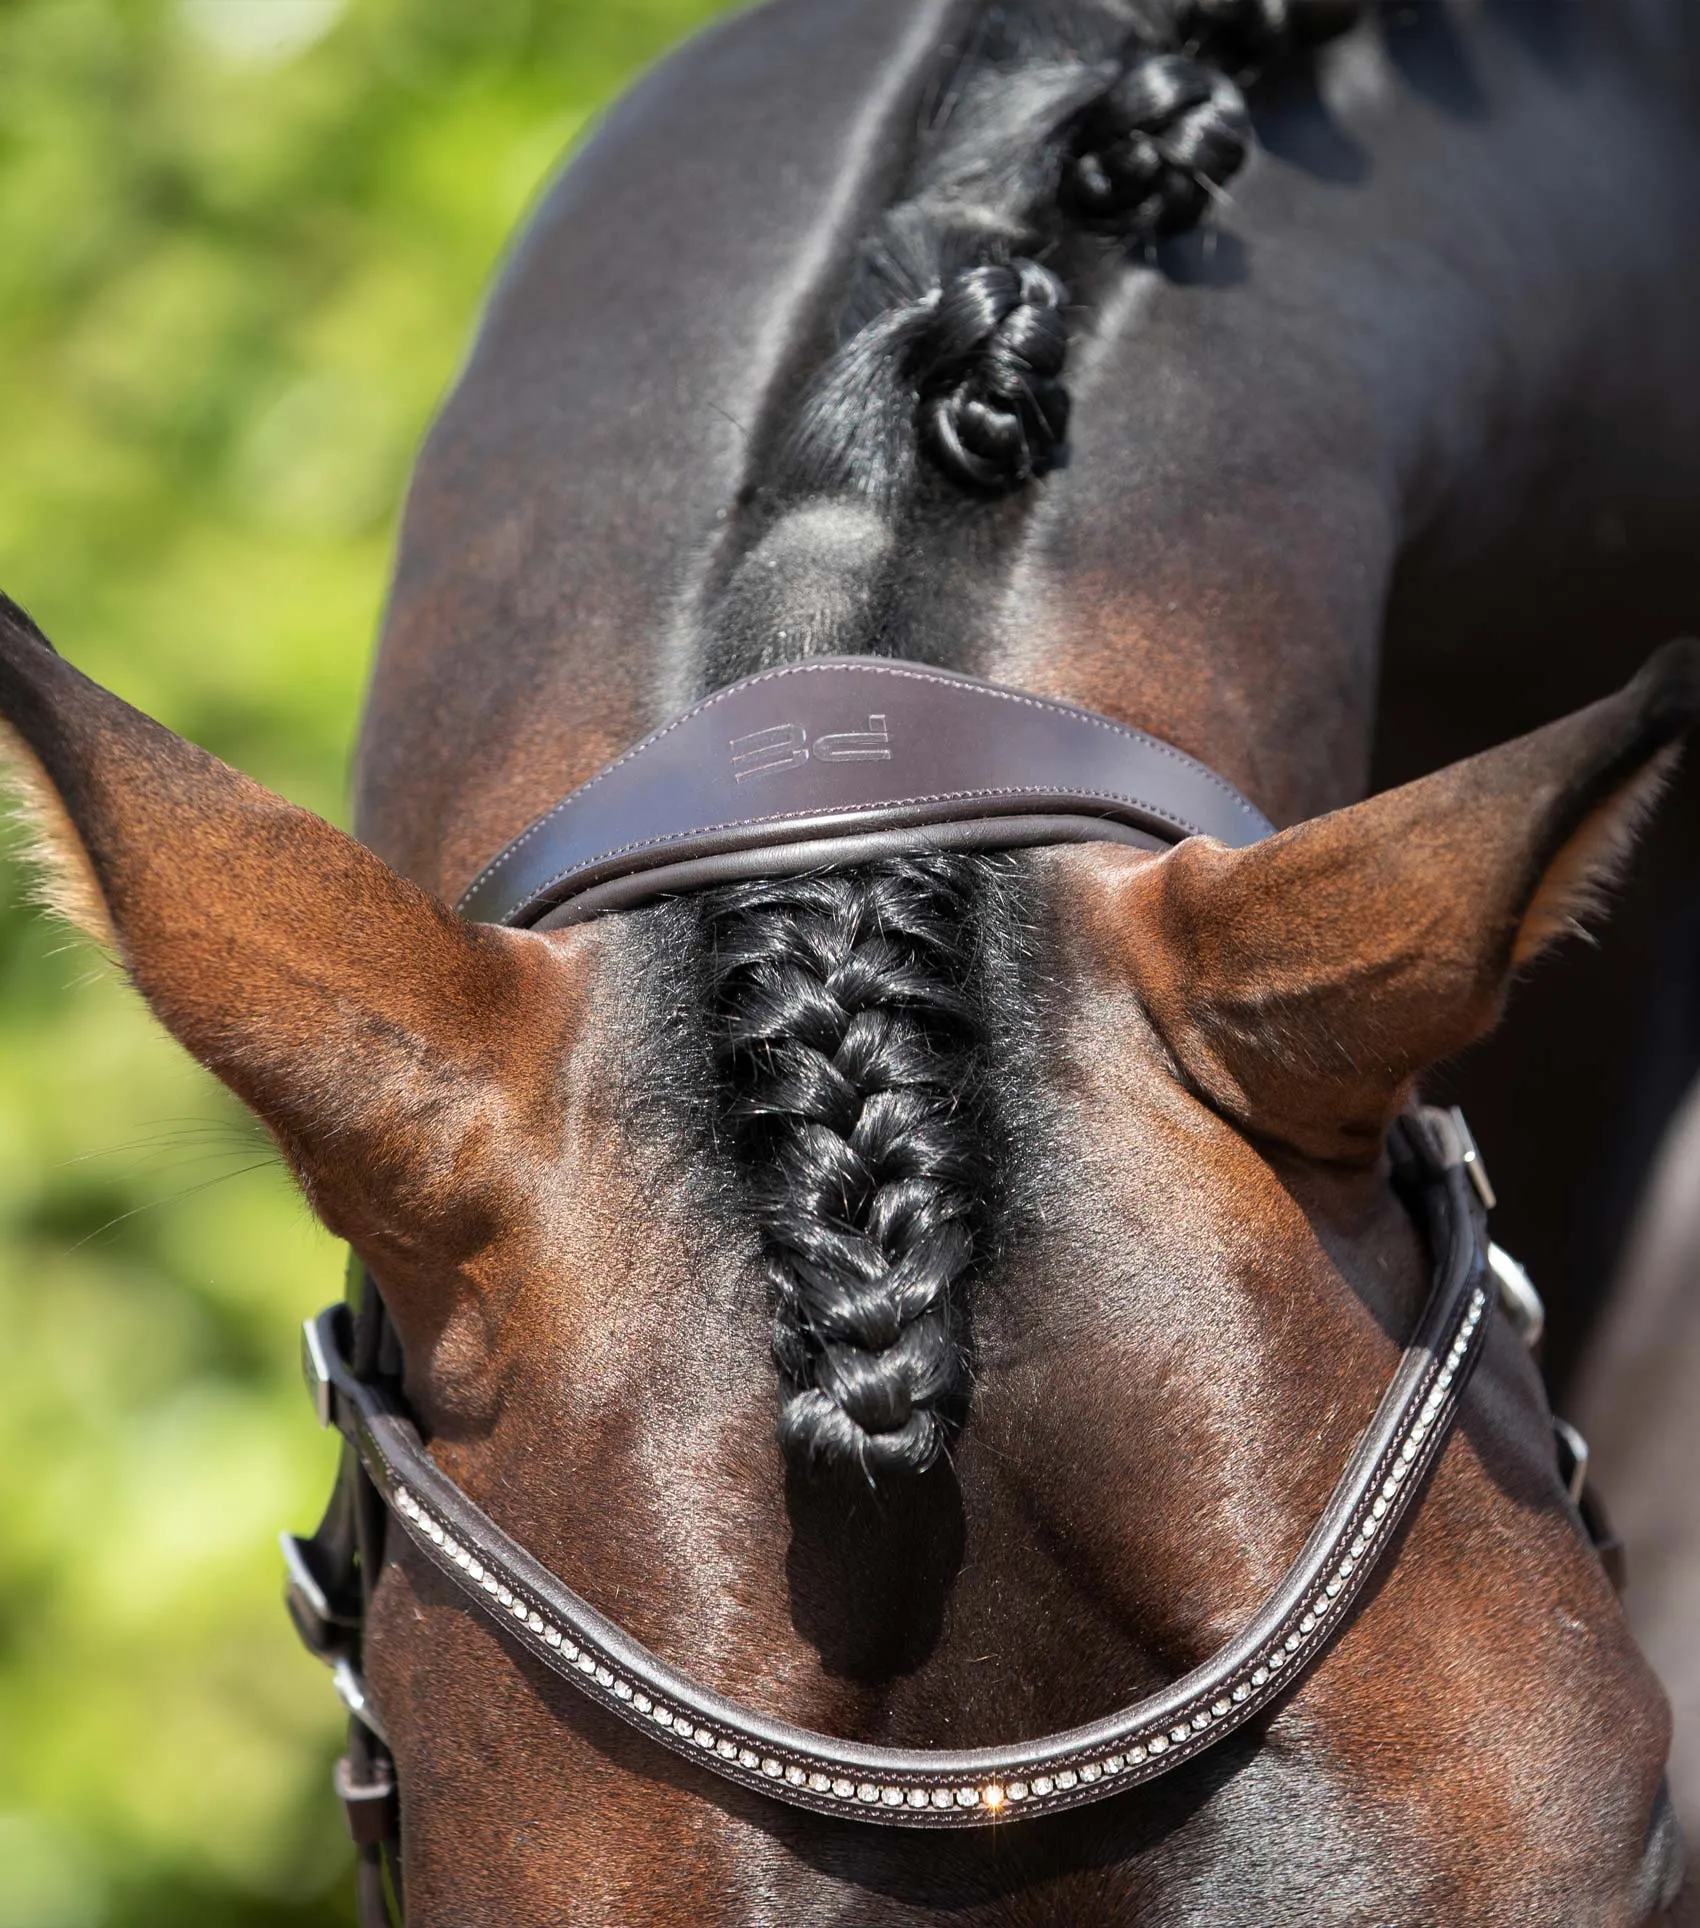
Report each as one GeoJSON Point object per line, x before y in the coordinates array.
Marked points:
{"type": "Point", "coordinates": [1303, 982]}
{"type": "Point", "coordinates": [1576, 885]}
{"type": "Point", "coordinates": [65, 883]}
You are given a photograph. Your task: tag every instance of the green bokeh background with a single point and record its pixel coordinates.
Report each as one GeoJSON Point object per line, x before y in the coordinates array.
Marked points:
{"type": "Point", "coordinates": [242, 247]}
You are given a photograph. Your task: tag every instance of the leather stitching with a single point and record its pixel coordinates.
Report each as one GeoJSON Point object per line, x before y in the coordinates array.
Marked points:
{"type": "Point", "coordinates": [855, 809]}
{"type": "Point", "coordinates": [872, 667]}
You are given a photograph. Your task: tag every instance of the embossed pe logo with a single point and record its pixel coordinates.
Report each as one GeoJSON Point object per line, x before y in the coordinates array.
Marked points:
{"type": "Point", "coordinates": [783, 746]}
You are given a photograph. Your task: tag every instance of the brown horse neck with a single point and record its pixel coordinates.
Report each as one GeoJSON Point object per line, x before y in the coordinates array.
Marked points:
{"type": "Point", "coordinates": [1288, 436]}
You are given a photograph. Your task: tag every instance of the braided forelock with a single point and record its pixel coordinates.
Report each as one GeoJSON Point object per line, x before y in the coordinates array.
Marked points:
{"type": "Point", "coordinates": [847, 1012]}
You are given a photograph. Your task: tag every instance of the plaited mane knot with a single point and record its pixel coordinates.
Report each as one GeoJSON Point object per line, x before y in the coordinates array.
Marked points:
{"type": "Point", "coordinates": [993, 410]}
{"type": "Point", "coordinates": [844, 1019]}
{"type": "Point", "coordinates": [1149, 151]}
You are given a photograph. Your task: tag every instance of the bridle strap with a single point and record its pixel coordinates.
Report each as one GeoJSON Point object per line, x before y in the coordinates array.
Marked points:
{"type": "Point", "coordinates": [840, 760]}
{"type": "Point", "coordinates": [974, 1787]}
{"type": "Point", "coordinates": [814, 765]}
{"type": "Point", "coordinates": [331, 1577]}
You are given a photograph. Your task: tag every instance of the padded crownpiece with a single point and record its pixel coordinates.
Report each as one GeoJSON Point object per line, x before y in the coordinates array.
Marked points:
{"type": "Point", "coordinates": [839, 760]}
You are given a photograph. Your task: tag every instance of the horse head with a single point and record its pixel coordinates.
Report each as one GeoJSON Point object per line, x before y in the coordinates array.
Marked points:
{"type": "Point", "coordinates": [930, 1299]}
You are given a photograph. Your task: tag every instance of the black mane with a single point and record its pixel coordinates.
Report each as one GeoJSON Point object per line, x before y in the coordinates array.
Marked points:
{"type": "Point", "coordinates": [846, 1006]}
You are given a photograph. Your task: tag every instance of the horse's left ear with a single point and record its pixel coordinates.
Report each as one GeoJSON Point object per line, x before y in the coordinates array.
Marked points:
{"type": "Point", "coordinates": [1304, 982]}
{"type": "Point", "coordinates": [398, 1055]}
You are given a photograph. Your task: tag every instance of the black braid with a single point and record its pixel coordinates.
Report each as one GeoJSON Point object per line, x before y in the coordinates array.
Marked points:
{"type": "Point", "coordinates": [988, 370]}
{"type": "Point", "coordinates": [1152, 149]}
{"type": "Point", "coordinates": [973, 359]}
{"type": "Point", "coordinates": [845, 1016]}
{"type": "Point", "coordinates": [954, 338]}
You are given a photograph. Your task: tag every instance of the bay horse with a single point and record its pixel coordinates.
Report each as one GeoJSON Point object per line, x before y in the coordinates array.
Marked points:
{"type": "Point", "coordinates": [1308, 386]}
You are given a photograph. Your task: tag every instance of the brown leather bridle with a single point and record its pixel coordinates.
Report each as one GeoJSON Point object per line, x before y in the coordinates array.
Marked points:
{"type": "Point", "coordinates": [833, 762]}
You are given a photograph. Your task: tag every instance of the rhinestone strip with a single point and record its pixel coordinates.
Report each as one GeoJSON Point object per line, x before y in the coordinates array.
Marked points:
{"type": "Point", "coordinates": [822, 1783]}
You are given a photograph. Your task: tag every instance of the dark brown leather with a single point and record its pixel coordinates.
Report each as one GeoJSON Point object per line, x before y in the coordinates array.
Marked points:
{"type": "Point", "coordinates": [367, 1793]}
{"type": "Point", "coordinates": [910, 1787]}
{"type": "Point", "coordinates": [842, 759]}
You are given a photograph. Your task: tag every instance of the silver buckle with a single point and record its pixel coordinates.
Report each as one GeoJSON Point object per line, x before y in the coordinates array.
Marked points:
{"type": "Point", "coordinates": [1470, 1157]}
{"type": "Point", "coordinates": [351, 1691]}
{"type": "Point", "coordinates": [316, 1366]}
{"type": "Point", "coordinates": [1576, 1448]}
{"type": "Point", "coordinates": [379, 1788]}
{"type": "Point", "coordinates": [1523, 1304]}
{"type": "Point", "coordinates": [300, 1577]}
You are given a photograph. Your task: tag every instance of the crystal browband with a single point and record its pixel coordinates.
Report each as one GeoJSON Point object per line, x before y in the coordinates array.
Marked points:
{"type": "Point", "coordinates": [923, 1788]}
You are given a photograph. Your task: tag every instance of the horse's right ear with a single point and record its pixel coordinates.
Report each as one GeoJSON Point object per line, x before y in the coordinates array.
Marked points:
{"type": "Point", "coordinates": [397, 1054]}
{"type": "Point", "coordinates": [1301, 984]}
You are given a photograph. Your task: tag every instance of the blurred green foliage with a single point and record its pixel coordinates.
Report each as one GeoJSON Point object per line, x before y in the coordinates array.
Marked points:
{"type": "Point", "coordinates": [242, 244]}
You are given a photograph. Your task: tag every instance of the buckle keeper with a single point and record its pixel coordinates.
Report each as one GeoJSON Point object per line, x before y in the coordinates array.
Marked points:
{"type": "Point", "coordinates": [368, 1806]}
{"type": "Point", "coordinates": [316, 1348]}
